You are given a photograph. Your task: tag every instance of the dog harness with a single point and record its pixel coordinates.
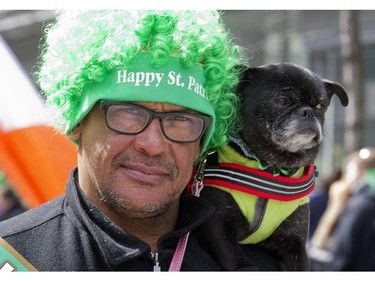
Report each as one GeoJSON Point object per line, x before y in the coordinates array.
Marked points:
{"type": "Point", "coordinates": [265, 199]}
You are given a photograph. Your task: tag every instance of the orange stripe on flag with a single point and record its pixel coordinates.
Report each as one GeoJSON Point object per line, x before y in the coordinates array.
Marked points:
{"type": "Point", "coordinates": [37, 161]}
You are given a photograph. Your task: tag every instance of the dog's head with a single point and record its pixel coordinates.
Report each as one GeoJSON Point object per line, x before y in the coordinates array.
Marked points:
{"type": "Point", "coordinates": [283, 108]}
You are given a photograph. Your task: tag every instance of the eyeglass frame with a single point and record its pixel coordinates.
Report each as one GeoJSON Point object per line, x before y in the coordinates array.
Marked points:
{"type": "Point", "coordinates": [105, 105]}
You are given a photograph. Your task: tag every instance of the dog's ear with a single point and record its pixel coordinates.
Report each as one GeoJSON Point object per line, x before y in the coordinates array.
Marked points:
{"type": "Point", "coordinates": [242, 70]}
{"type": "Point", "coordinates": [246, 77]}
{"type": "Point", "coordinates": [242, 75]}
{"type": "Point", "coordinates": [335, 88]}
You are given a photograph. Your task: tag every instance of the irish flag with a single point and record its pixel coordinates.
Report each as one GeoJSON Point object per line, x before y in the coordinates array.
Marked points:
{"type": "Point", "coordinates": [35, 158]}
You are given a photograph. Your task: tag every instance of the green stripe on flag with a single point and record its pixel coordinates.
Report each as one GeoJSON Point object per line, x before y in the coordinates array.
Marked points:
{"type": "Point", "coordinates": [11, 260]}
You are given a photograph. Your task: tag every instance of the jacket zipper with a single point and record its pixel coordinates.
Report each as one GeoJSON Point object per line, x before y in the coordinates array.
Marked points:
{"type": "Point", "coordinates": [155, 257]}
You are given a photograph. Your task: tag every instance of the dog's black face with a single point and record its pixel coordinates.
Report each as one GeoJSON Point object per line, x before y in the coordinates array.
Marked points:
{"type": "Point", "coordinates": [283, 107]}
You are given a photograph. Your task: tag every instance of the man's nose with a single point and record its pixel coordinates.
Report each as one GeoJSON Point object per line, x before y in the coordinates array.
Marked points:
{"type": "Point", "coordinates": [152, 139]}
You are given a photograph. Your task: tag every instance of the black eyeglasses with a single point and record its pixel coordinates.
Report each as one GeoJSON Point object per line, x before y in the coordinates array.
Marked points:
{"type": "Point", "coordinates": [132, 119]}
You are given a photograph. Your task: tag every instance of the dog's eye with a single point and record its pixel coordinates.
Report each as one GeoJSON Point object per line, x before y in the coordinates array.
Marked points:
{"type": "Point", "coordinates": [320, 106]}
{"type": "Point", "coordinates": [281, 100]}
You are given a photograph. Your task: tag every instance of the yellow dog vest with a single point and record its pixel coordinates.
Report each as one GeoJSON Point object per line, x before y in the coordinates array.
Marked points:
{"type": "Point", "coordinates": [241, 177]}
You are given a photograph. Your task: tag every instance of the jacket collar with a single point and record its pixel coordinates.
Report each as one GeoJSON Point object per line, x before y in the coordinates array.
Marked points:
{"type": "Point", "coordinates": [115, 244]}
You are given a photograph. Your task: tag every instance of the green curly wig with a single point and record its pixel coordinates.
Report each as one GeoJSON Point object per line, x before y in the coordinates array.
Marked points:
{"type": "Point", "coordinates": [83, 47]}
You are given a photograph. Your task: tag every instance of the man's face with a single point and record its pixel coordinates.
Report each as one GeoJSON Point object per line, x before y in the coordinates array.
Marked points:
{"type": "Point", "coordinates": [136, 176]}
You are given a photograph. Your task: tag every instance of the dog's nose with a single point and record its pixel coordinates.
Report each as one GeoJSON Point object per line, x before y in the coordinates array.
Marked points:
{"type": "Point", "coordinates": [306, 112]}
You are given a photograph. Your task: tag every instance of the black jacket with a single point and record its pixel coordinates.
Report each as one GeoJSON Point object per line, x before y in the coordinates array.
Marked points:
{"type": "Point", "coordinates": [70, 234]}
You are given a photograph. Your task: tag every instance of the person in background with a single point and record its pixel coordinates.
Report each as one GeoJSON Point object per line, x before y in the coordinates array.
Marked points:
{"type": "Point", "coordinates": [319, 199]}
{"type": "Point", "coordinates": [10, 204]}
{"type": "Point", "coordinates": [352, 242]}
{"type": "Point", "coordinates": [145, 95]}
{"type": "Point", "coordinates": [342, 236]}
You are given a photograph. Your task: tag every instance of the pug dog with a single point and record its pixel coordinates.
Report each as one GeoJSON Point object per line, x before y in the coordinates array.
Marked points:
{"type": "Point", "coordinates": [260, 180]}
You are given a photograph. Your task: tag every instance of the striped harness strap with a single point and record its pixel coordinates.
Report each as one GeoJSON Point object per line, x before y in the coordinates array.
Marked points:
{"type": "Point", "coordinates": [260, 183]}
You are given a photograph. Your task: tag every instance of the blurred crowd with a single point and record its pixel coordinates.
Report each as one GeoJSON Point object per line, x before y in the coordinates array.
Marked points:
{"type": "Point", "coordinates": [10, 204]}
{"type": "Point", "coordinates": [342, 228]}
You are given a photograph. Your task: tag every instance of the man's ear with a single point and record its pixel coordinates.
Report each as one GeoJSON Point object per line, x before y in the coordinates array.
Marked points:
{"type": "Point", "coordinates": [75, 133]}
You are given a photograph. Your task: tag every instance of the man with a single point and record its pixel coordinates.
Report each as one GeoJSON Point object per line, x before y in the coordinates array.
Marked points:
{"type": "Point", "coordinates": [144, 95]}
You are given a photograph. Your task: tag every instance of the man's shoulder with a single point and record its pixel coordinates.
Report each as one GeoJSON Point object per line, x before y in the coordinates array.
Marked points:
{"type": "Point", "coordinates": [33, 217]}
